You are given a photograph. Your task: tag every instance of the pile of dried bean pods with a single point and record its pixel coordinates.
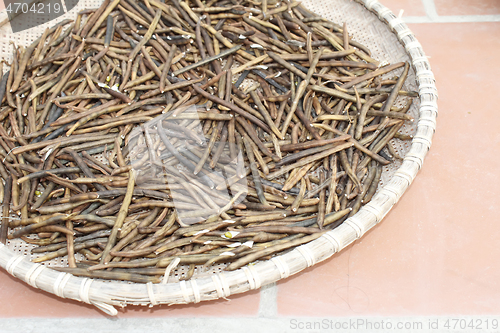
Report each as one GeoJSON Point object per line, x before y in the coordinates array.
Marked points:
{"type": "Point", "coordinates": [217, 131]}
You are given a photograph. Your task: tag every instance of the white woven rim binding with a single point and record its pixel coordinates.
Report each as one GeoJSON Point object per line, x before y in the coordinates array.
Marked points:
{"type": "Point", "coordinates": [392, 191]}
{"type": "Point", "coordinates": [412, 45]}
{"type": "Point", "coordinates": [329, 236]}
{"type": "Point", "coordinates": [369, 4]}
{"type": "Point", "coordinates": [404, 33]}
{"type": "Point", "coordinates": [33, 273]}
{"type": "Point", "coordinates": [307, 254]}
{"type": "Point", "coordinates": [252, 277]}
{"type": "Point", "coordinates": [12, 263]}
{"type": "Point", "coordinates": [282, 266]}
{"type": "Point", "coordinates": [423, 141]}
{"type": "Point", "coordinates": [249, 276]}
{"type": "Point", "coordinates": [84, 291]}
{"type": "Point", "coordinates": [355, 226]}
{"type": "Point", "coordinates": [401, 174]}
{"type": "Point", "coordinates": [151, 294]}
{"type": "Point", "coordinates": [60, 283]}
{"type": "Point", "coordinates": [225, 285]}
{"type": "Point", "coordinates": [395, 22]}
{"type": "Point", "coordinates": [255, 276]}
{"type": "Point", "coordinates": [196, 291]}
{"type": "Point", "coordinates": [428, 85]}
{"type": "Point", "coordinates": [417, 60]}
{"type": "Point", "coordinates": [425, 74]}
{"type": "Point", "coordinates": [383, 13]}
{"type": "Point", "coordinates": [184, 291]}
{"type": "Point", "coordinates": [106, 308]}
{"type": "Point", "coordinates": [218, 286]}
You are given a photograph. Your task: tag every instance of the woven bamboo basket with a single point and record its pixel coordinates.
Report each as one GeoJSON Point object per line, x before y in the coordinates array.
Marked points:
{"type": "Point", "coordinates": [390, 40]}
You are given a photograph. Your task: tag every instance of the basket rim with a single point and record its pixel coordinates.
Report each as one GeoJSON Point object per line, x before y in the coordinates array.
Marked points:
{"type": "Point", "coordinates": [106, 295]}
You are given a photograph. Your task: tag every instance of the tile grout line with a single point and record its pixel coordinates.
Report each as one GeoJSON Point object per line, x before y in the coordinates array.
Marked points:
{"type": "Point", "coordinates": [268, 305]}
{"type": "Point", "coordinates": [430, 9]}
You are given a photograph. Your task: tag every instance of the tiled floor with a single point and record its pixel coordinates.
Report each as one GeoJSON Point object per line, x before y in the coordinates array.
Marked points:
{"type": "Point", "coordinates": [437, 252]}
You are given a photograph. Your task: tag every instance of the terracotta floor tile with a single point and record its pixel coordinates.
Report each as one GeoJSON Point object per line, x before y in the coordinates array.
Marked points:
{"type": "Point", "coordinates": [25, 301]}
{"type": "Point", "coordinates": [436, 253]}
{"type": "Point", "coordinates": [410, 7]}
{"type": "Point", "coordinates": [465, 7]}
